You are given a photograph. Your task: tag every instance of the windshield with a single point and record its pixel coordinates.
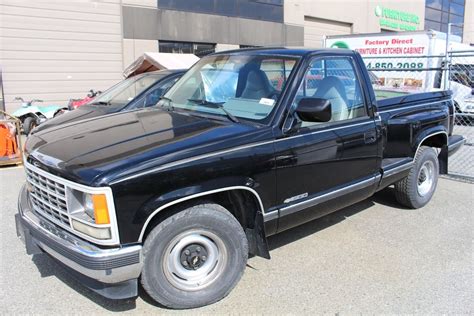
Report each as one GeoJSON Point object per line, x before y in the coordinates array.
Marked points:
{"type": "Point", "coordinates": [127, 90]}
{"type": "Point", "coordinates": [244, 86]}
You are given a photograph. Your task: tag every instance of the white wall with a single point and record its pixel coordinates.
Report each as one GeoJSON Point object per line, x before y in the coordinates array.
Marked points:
{"type": "Point", "coordinates": [468, 36]}
{"type": "Point", "coordinates": [57, 50]}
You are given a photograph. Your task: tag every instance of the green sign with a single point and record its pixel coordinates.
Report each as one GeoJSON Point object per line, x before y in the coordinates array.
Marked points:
{"type": "Point", "coordinates": [396, 19]}
{"type": "Point", "coordinates": [340, 44]}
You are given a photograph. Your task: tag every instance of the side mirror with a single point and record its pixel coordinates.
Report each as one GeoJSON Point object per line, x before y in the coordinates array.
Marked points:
{"type": "Point", "coordinates": [314, 110]}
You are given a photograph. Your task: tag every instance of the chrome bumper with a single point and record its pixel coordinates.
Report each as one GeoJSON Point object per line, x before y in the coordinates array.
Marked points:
{"type": "Point", "coordinates": [112, 272]}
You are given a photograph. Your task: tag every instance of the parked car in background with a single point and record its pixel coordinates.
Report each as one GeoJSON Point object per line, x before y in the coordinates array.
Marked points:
{"type": "Point", "coordinates": [32, 115]}
{"type": "Point", "coordinates": [136, 92]}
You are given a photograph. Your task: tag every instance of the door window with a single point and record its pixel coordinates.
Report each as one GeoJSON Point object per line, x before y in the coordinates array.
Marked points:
{"type": "Point", "coordinates": [334, 79]}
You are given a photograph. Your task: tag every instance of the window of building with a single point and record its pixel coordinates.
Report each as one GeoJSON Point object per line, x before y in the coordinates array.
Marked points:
{"type": "Point", "coordinates": [198, 49]}
{"type": "Point", "coordinates": [439, 13]}
{"type": "Point", "coordinates": [267, 10]}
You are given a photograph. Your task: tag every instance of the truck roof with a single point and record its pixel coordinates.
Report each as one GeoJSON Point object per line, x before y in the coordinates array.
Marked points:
{"type": "Point", "coordinates": [284, 51]}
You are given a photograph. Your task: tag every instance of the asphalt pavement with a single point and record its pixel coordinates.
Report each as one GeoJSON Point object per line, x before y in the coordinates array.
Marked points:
{"type": "Point", "coordinates": [373, 257]}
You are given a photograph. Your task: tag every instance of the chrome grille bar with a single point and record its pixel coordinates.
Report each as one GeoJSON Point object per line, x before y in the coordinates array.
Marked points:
{"type": "Point", "coordinates": [48, 198]}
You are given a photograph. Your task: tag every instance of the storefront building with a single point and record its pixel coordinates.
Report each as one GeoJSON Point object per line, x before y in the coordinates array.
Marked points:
{"type": "Point", "coordinates": [57, 51]}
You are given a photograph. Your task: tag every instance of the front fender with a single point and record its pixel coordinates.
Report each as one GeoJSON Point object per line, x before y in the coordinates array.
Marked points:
{"type": "Point", "coordinates": [199, 190]}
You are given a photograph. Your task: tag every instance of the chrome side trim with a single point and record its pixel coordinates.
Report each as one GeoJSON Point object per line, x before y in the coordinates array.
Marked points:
{"type": "Point", "coordinates": [222, 152]}
{"type": "Point", "coordinates": [428, 136]}
{"type": "Point", "coordinates": [409, 107]}
{"type": "Point", "coordinates": [328, 196]}
{"type": "Point", "coordinates": [392, 171]}
{"type": "Point", "coordinates": [189, 197]}
{"type": "Point", "coordinates": [270, 216]}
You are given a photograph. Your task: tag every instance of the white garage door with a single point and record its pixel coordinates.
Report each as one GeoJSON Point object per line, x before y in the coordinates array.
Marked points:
{"type": "Point", "coordinates": [315, 28]}
{"type": "Point", "coordinates": [57, 50]}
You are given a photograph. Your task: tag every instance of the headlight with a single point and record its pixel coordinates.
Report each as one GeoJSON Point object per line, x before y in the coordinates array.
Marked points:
{"type": "Point", "coordinates": [88, 205]}
{"type": "Point", "coordinates": [90, 214]}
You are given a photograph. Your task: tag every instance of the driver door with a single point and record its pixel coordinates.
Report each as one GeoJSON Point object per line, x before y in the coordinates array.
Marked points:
{"type": "Point", "coordinates": [324, 166]}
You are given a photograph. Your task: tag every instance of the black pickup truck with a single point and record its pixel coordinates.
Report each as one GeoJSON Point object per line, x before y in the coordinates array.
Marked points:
{"type": "Point", "coordinates": [248, 143]}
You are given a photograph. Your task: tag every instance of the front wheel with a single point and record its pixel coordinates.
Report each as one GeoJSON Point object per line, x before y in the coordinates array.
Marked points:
{"type": "Point", "coordinates": [28, 125]}
{"type": "Point", "coordinates": [195, 257]}
{"type": "Point", "coordinates": [416, 189]}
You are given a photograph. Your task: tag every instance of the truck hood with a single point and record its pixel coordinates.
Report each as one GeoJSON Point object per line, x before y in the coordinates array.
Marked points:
{"type": "Point", "coordinates": [93, 152]}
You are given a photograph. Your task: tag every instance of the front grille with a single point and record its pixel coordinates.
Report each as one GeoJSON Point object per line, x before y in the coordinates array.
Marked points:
{"type": "Point", "coordinates": [48, 197]}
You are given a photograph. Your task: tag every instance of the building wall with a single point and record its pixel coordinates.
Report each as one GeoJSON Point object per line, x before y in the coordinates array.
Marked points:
{"type": "Point", "coordinates": [355, 15]}
{"type": "Point", "coordinates": [468, 37]}
{"type": "Point", "coordinates": [155, 24]}
{"type": "Point", "coordinates": [55, 51]}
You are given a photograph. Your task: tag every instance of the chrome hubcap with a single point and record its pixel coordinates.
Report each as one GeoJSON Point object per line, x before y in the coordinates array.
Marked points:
{"type": "Point", "coordinates": [194, 259]}
{"type": "Point", "coordinates": [425, 178]}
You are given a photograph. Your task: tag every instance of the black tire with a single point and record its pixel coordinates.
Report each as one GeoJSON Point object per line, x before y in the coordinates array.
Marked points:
{"type": "Point", "coordinates": [414, 192]}
{"type": "Point", "coordinates": [28, 124]}
{"type": "Point", "coordinates": [161, 243]}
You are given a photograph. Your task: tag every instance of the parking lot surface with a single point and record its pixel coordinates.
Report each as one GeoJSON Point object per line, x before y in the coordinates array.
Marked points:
{"type": "Point", "coordinates": [373, 257]}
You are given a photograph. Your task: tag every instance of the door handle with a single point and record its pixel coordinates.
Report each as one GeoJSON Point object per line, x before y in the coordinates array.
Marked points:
{"type": "Point", "coordinates": [370, 137]}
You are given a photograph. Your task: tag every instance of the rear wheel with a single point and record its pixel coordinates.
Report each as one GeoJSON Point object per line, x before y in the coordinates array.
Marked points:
{"type": "Point", "coordinates": [29, 124]}
{"type": "Point", "coordinates": [416, 189]}
{"type": "Point", "coordinates": [195, 257]}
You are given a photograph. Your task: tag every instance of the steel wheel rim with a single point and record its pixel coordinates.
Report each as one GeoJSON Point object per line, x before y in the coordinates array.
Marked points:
{"type": "Point", "coordinates": [425, 178]}
{"type": "Point", "coordinates": [185, 277]}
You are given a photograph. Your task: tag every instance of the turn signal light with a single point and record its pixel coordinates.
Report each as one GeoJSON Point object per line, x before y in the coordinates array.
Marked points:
{"type": "Point", "coordinates": [101, 212]}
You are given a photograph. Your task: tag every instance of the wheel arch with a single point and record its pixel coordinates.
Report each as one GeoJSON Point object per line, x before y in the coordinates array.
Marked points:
{"type": "Point", "coordinates": [243, 202]}
{"type": "Point", "coordinates": [435, 139]}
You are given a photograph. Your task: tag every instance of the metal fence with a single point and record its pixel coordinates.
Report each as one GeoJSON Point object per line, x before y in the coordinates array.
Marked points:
{"type": "Point", "coordinates": [461, 82]}
{"type": "Point", "coordinates": [454, 71]}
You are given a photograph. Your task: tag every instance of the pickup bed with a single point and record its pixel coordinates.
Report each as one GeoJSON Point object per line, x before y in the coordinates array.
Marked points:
{"type": "Point", "coordinates": [248, 143]}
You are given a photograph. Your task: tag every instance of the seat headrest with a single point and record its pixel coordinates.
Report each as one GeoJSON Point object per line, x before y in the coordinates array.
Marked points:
{"type": "Point", "coordinates": [257, 85]}
{"type": "Point", "coordinates": [331, 87]}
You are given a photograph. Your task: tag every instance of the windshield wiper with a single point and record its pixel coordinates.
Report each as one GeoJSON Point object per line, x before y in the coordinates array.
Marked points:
{"type": "Point", "coordinates": [215, 105]}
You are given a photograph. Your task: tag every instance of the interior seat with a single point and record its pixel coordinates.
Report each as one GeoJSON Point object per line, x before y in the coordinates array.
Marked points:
{"type": "Point", "coordinates": [331, 88]}
{"type": "Point", "coordinates": [257, 86]}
